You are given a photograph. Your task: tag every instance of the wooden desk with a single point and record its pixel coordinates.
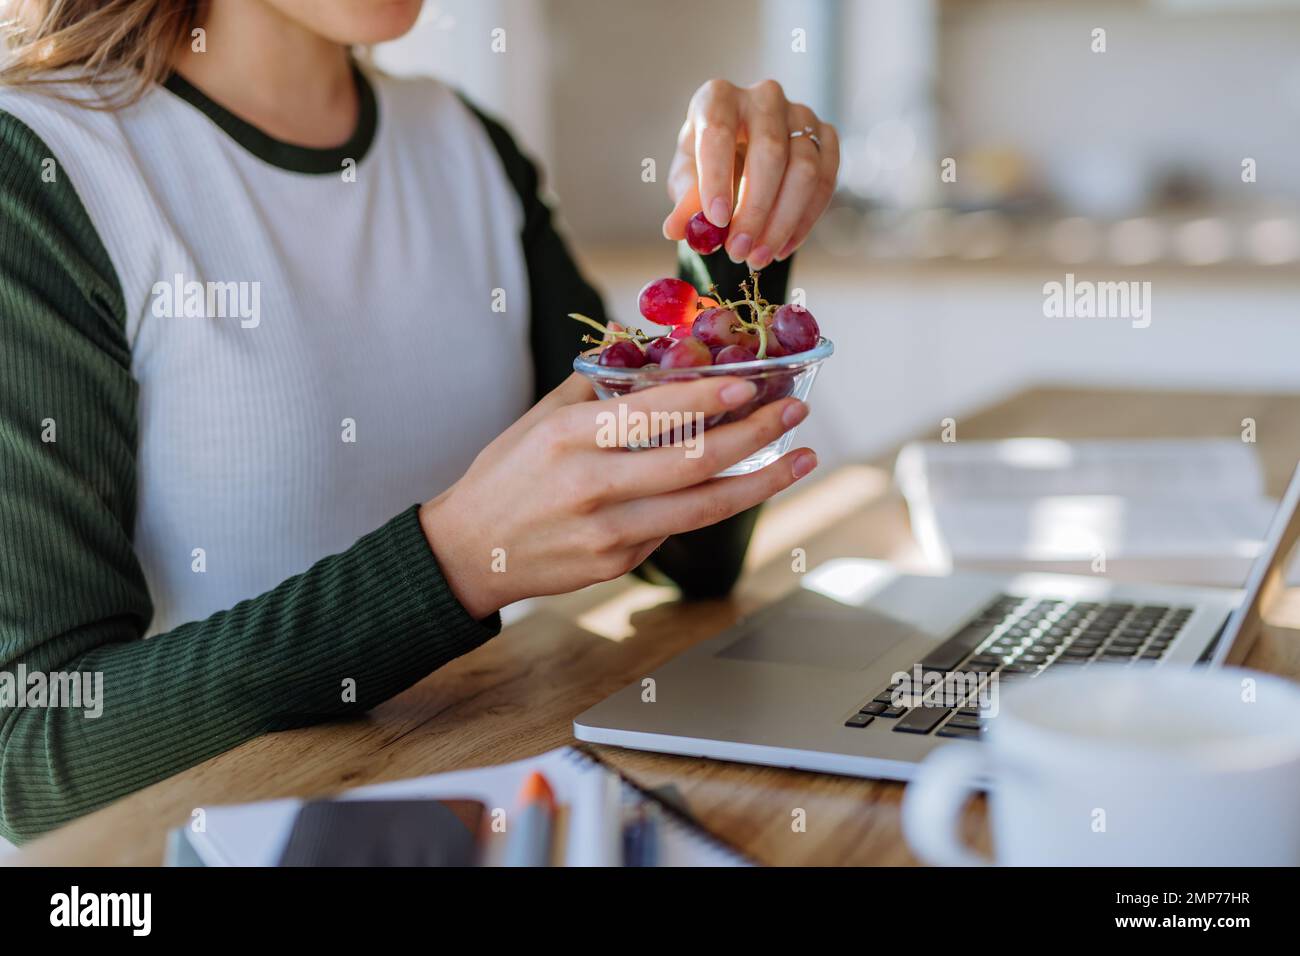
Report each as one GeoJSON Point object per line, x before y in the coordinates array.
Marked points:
{"type": "Point", "coordinates": [518, 695]}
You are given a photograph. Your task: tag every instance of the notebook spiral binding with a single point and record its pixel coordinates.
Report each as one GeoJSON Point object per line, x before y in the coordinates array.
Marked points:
{"type": "Point", "coordinates": [674, 818]}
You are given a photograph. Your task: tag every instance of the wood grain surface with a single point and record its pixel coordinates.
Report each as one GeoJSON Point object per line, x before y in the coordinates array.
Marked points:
{"type": "Point", "coordinates": [517, 695]}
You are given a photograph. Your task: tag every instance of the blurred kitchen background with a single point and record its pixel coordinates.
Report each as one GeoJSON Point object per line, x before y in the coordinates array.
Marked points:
{"type": "Point", "coordinates": [1171, 157]}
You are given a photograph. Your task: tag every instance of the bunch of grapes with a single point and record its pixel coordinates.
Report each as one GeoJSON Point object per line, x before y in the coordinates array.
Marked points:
{"type": "Point", "coordinates": [706, 330]}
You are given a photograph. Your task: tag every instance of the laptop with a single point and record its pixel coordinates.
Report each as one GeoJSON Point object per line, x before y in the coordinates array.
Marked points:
{"type": "Point", "coordinates": [863, 671]}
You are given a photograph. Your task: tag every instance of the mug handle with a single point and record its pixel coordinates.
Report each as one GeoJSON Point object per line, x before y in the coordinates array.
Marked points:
{"type": "Point", "coordinates": [932, 805]}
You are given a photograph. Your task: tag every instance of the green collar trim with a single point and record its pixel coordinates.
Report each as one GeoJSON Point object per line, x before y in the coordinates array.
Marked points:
{"type": "Point", "coordinates": [295, 159]}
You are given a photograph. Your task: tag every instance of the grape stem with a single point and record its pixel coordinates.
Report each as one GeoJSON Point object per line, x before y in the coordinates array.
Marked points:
{"type": "Point", "coordinates": [635, 336]}
{"type": "Point", "coordinates": [758, 307]}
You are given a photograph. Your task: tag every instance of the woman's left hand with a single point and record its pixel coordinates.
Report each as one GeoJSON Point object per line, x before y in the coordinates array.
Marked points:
{"type": "Point", "coordinates": [785, 184]}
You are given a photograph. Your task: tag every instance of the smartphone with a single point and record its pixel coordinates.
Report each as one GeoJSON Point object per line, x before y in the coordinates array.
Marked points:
{"type": "Point", "coordinates": [385, 833]}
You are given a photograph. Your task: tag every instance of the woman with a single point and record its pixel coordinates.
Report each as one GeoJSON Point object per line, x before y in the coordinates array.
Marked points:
{"type": "Point", "coordinates": [257, 300]}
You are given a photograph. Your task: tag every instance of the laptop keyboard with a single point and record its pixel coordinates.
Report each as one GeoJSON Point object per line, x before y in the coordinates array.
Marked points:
{"type": "Point", "coordinates": [1019, 638]}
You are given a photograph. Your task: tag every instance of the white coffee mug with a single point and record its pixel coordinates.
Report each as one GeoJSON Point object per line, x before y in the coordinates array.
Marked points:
{"type": "Point", "coordinates": [1123, 767]}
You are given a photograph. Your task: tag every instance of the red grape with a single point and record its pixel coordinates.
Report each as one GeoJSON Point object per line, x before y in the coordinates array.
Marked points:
{"type": "Point", "coordinates": [668, 301]}
{"type": "Point", "coordinates": [733, 354]}
{"type": "Point", "coordinates": [703, 236]}
{"type": "Point", "coordinates": [716, 327]}
{"type": "Point", "coordinates": [774, 348]}
{"type": "Point", "coordinates": [775, 386]}
{"type": "Point", "coordinates": [622, 354]}
{"type": "Point", "coordinates": [688, 353]}
{"type": "Point", "coordinates": [795, 328]}
{"type": "Point", "coordinates": [655, 350]}
{"type": "Point", "coordinates": [681, 332]}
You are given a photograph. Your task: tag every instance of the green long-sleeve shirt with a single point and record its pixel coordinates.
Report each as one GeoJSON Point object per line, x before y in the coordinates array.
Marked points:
{"type": "Point", "coordinates": [74, 596]}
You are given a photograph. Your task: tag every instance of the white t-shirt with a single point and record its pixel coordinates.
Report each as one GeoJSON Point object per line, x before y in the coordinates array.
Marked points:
{"type": "Point", "coordinates": [362, 327]}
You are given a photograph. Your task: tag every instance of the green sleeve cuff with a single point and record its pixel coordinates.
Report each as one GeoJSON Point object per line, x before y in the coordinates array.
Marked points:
{"type": "Point", "coordinates": [457, 630]}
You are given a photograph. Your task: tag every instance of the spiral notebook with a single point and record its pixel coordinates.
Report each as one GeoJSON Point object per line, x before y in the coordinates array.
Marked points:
{"type": "Point", "coordinates": [592, 798]}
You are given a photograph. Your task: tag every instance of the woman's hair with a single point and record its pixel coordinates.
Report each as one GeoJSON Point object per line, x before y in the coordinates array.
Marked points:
{"type": "Point", "coordinates": [99, 38]}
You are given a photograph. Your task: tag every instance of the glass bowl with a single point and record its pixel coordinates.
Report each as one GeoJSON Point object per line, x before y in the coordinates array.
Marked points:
{"type": "Point", "coordinates": [776, 378]}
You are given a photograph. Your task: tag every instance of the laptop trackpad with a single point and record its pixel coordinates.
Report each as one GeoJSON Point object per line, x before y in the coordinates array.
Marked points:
{"type": "Point", "coordinates": [814, 631]}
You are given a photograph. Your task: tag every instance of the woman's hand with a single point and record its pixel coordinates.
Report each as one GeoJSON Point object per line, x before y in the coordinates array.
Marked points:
{"type": "Point", "coordinates": [566, 512]}
{"type": "Point", "coordinates": [786, 182]}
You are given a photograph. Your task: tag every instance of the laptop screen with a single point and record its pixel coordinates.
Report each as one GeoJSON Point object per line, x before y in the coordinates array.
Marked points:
{"type": "Point", "coordinates": [1266, 580]}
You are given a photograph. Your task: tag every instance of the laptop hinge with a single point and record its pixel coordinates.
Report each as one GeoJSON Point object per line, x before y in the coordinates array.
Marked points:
{"type": "Point", "coordinates": [1209, 650]}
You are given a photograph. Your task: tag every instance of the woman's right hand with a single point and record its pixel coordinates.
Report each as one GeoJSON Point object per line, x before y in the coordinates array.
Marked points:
{"type": "Point", "coordinates": [566, 512]}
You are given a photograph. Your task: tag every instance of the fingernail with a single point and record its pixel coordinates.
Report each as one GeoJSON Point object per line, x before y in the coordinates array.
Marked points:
{"type": "Point", "coordinates": [739, 247]}
{"type": "Point", "coordinates": [737, 393]}
{"type": "Point", "coordinates": [761, 257]}
{"type": "Point", "coordinates": [794, 413]}
{"type": "Point", "coordinates": [720, 212]}
{"type": "Point", "coordinates": [665, 227]}
{"type": "Point", "coordinates": [785, 251]}
{"type": "Point", "coordinates": [804, 464]}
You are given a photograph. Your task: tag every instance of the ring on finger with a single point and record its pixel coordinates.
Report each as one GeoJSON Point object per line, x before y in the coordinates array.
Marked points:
{"type": "Point", "coordinates": [810, 133]}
